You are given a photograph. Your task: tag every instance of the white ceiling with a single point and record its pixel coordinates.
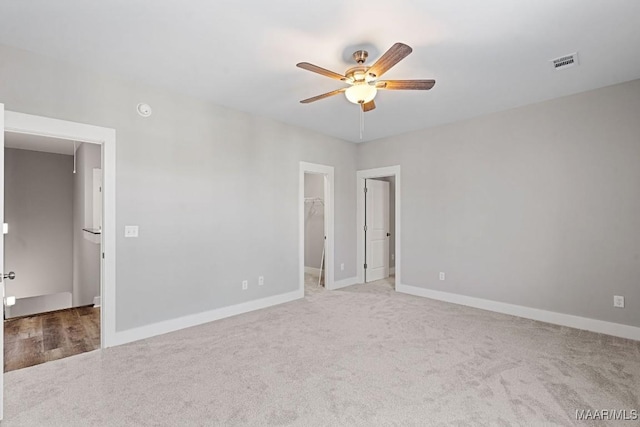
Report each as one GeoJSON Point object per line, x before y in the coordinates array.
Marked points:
{"type": "Point", "coordinates": [485, 55]}
{"type": "Point", "coordinates": [45, 144]}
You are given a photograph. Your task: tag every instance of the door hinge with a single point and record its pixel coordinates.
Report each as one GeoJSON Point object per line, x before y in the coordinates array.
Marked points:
{"type": "Point", "coordinates": [365, 228]}
{"type": "Point", "coordinates": [365, 189]}
{"type": "Point", "coordinates": [365, 266]}
{"type": "Point", "coordinates": [102, 255]}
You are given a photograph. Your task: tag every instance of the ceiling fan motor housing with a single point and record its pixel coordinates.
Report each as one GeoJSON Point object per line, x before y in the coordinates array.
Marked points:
{"type": "Point", "coordinates": [359, 74]}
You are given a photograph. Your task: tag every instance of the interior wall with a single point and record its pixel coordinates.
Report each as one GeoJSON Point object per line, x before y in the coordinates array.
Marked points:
{"type": "Point", "coordinates": [86, 252]}
{"type": "Point", "coordinates": [536, 206]}
{"type": "Point", "coordinates": [213, 190]}
{"type": "Point", "coordinates": [38, 208]}
{"type": "Point", "coordinates": [314, 220]}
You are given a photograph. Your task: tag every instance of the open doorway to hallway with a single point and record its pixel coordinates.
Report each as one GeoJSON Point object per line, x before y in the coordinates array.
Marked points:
{"type": "Point", "coordinates": [53, 241]}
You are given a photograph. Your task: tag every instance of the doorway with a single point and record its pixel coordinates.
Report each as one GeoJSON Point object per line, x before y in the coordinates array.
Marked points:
{"type": "Point", "coordinates": [316, 253]}
{"type": "Point", "coordinates": [37, 125]}
{"type": "Point", "coordinates": [378, 226]}
{"type": "Point", "coordinates": [314, 233]}
{"type": "Point", "coordinates": [52, 239]}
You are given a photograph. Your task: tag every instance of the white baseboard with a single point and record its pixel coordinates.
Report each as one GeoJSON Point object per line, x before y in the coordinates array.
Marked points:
{"type": "Point", "coordinates": [312, 270]}
{"type": "Point", "coordinates": [96, 301]}
{"type": "Point", "coordinates": [593, 325]}
{"type": "Point", "coordinates": [172, 325]}
{"type": "Point", "coordinates": [344, 283]}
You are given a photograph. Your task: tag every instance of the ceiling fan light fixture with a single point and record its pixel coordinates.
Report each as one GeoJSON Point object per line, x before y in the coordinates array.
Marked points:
{"type": "Point", "coordinates": [361, 93]}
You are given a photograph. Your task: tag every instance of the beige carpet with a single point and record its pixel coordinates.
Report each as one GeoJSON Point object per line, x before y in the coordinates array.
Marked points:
{"type": "Point", "coordinates": [312, 285]}
{"type": "Point", "coordinates": [364, 356]}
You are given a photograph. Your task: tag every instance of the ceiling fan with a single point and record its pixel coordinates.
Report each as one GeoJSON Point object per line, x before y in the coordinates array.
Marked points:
{"type": "Point", "coordinates": [363, 80]}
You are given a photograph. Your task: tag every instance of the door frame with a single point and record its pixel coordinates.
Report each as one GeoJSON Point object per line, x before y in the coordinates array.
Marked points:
{"type": "Point", "coordinates": [329, 191]}
{"type": "Point", "coordinates": [106, 137]}
{"type": "Point", "coordinates": [2, 293]}
{"type": "Point", "coordinates": [361, 175]}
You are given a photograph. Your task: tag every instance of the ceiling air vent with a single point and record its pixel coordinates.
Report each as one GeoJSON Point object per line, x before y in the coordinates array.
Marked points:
{"type": "Point", "coordinates": [566, 61]}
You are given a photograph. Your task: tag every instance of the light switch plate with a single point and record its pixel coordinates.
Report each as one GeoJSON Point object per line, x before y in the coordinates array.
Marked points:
{"type": "Point", "coordinates": [130, 231]}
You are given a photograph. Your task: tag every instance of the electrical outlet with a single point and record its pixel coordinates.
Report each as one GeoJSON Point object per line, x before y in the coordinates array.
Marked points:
{"type": "Point", "coordinates": [260, 280]}
{"type": "Point", "coordinates": [245, 285]}
{"type": "Point", "coordinates": [441, 275]}
{"type": "Point", "coordinates": [342, 267]}
{"type": "Point", "coordinates": [618, 301]}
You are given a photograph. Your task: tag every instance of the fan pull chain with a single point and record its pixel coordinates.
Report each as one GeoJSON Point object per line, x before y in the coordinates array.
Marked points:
{"type": "Point", "coordinates": [361, 122]}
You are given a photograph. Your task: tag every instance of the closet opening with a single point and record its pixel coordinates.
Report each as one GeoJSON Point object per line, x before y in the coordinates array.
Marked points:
{"type": "Point", "coordinates": [314, 233]}
{"type": "Point", "coordinates": [316, 225]}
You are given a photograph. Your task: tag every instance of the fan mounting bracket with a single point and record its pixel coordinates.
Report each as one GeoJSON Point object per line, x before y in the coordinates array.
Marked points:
{"type": "Point", "coordinates": [360, 56]}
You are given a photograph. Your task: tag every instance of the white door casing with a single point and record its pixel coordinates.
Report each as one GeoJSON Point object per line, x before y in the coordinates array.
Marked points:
{"type": "Point", "coordinates": [106, 137]}
{"type": "Point", "coordinates": [2, 256]}
{"type": "Point", "coordinates": [377, 232]}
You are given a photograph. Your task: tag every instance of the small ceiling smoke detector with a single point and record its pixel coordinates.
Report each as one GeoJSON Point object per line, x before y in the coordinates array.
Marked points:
{"type": "Point", "coordinates": [566, 61]}
{"type": "Point", "coordinates": [144, 109]}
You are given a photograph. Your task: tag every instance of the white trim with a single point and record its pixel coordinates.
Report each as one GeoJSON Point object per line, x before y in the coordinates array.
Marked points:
{"type": "Point", "coordinates": [312, 270]}
{"type": "Point", "coordinates": [2, 293]}
{"type": "Point", "coordinates": [44, 126]}
{"type": "Point", "coordinates": [329, 191]}
{"type": "Point", "coordinates": [172, 325]}
{"type": "Point", "coordinates": [599, 326]}
{"type": "Point", "coordinates": [345, 282]}
{"type": "Point", "coordinates": [360, 177]}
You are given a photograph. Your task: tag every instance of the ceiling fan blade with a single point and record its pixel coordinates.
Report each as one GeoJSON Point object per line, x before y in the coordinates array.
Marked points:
{"type": "Point", "coordinates": [320, 70]}
{"type": "Point", "coordinates": [323, 96]}
{"type": "Point", "coordinates": [395, 54]}
{"type": "Point", "coordinates": [405, 84]}
{"type": "Point", "coordinates": [368, 106]}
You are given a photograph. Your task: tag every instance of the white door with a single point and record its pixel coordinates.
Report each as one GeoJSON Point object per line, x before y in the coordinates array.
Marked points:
{"type": "Point", "coordinates": [377, 230]}
{"type": "Point", "coordinates": [2, 257]}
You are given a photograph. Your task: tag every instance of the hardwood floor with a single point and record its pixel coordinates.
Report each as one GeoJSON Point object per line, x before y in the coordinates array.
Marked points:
{"type": "Point", "coordinates": [40, 338]}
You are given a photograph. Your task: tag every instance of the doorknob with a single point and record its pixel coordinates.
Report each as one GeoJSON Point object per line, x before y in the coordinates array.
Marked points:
{"type": "Point", "coordinates": [10, 275]}
{"type": "Point", "coordinates": [388, 234]}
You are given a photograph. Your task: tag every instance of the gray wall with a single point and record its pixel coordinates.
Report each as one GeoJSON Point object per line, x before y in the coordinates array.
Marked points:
{"type": "Point", "coordinates": [537, 206]}
{"type": "Point", "coordinates": [38, 209]}
{"type": "Point", "coordinates": [313, 220]}
{"type": "Point", "coordinates": [214, 191]}
{"type": "Point", "coordinates": [86, 253]}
